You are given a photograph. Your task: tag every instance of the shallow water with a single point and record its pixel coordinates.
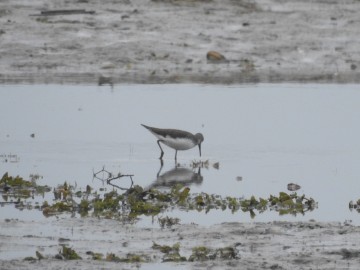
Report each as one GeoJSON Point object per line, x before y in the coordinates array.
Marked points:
{"type": "Point", "coordinates": [269, 135]}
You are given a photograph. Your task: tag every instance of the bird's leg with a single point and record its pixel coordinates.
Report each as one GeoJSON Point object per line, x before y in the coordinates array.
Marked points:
{"type": "Point", "coordinates": [161, 166]}
{"type": "Point", "coordinates": [162, 152]}
{"type": "Point", "coordinates": [175, 156]}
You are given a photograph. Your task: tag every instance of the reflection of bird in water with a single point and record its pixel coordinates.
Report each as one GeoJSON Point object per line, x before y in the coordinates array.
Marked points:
{"type": "Point", "coordinates": [176, 139]}
{"type": "Point", "coordinates": [178, 175]}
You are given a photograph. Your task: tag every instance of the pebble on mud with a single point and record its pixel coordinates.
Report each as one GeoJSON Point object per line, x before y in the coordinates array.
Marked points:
{"type": "Point", "coordinates": [107, 65]}
{"type": "Point", "coordinates": [213, 56]}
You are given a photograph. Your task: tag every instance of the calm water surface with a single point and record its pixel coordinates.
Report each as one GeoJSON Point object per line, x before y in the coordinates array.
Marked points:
{"type": "Point", "coordinates": [267, 135]}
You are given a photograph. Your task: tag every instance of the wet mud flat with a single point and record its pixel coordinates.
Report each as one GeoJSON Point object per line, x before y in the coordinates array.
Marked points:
{"type": "Point", "coordinates": [167, 41]}
{"type": "Point", "coordinates": [276, 245]}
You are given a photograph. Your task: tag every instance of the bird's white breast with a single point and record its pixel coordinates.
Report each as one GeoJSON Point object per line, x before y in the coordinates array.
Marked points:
{"type": "Point", "coordinates": [178, 143]}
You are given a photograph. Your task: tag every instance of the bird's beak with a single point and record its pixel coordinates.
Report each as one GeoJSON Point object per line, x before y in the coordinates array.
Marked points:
{"type": "Point", "coordinates": [200, 149]}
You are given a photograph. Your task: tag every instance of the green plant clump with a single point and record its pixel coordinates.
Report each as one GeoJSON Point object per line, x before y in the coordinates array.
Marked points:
{"type": "Point", "coordinates": [15, 181]}
{"type": "Point", "coordinates": [130, 258]}
{"type": "Point", "coordinates": [18, 188]}
{"type": "Point", "coordinates": [138, 201]}
{"type": "Point", "coordinates": [171, 254]}
{"type": "Point", "coordinates": [202, 253]}
{"type": "Point", "coordinates": [69, 254]}
{"type": "Point", "coordinates": [168, 222]}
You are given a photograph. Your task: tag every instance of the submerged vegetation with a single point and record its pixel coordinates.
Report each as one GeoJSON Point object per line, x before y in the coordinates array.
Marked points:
{"type": "Point", "coordinates": [136, 201]}
{"type": "Point", "coordinates": [69, 254]}
{"type": "Point", "coordinates": [16, 190]}
{"type": "Point", "coordinates": [202, 253]}
{"type": "Point", "coordinates": [170, 254]}
{"type": "Point", "coordinates": [199, 253]}
{"type": "Point", "coordinates": [129, 258]}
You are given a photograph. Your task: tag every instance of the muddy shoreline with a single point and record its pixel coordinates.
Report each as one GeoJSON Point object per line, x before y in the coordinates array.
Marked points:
{"type": "Point", "coordinates": [264, 41]}
{"type": "Point", "coordinates": [276, 245]}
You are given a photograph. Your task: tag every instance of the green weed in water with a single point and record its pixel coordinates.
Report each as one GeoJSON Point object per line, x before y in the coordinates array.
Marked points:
{"type": "Point", "coordinates": [203, 253]}
{"type": "Point", "coordinates": [69, 254]}
{"type": "Point", "coordinates": [171, 254]}
{"type": "Point", "coordinates": [138, 201]}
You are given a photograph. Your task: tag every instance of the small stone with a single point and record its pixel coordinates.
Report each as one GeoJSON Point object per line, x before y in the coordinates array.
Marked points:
{"type": "Point", "coordinates": [216, 165]}
{"type": "Point", "coordinates": [293, 187]}
{"type": "Point", "coordinates": [215, 56]}
{"type": "Point", "coordinates": [59, 257]}
{"type": "Point", "coordinates": [107, 65]}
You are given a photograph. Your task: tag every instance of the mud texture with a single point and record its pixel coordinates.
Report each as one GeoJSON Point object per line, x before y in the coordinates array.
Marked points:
{"type": "Point", "coordinates": [167, 41]}
{"type": "Point", "coordinates": [277, 245]}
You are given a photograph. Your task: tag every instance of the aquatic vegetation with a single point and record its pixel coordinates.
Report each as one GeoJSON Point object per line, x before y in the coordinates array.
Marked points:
{"type": "Point", "coordinates": [84, 207]}
{"type": "Point", "coordinates": [135, 258]}
{"type": "Point", "coordinates": [200, 164]}
{"type": "Point", "coordinates": [110, 202]}
{"type": "Point", "coordinates": [69, 254]}
{"type": "Point", "coordinates": [18, 188]}
{"type": "Point", "coordinates": [284, 204]}
{"type": "Point", "coordinates": [226, 253]}
{"type": "Point", "coordinates": [137, 201]}
{"type": "Point", "coordinates": [56, 208]}
{"type": "Point", "coordinates": [202, 253]}
{"type": "Point", "coordinates": [35, 177]}
{"type": "Point", "coordinates": [16, 181]}
{"type": "Point", "coordinates": [171, 254]}
{"type": "Point", "coordinates": [111, 257]}
{"type": "Point", "coordinates": [174, 257]}
{"type": "Point", "coordinates": [204, 164]}
{"type": "Point", "coordinates": [168, 222]}
{"type": "Point", "coordinates": [129, 258]}
{"type": "Point", "coordinates": [166, 249]}
{"type": "Point", "coordinates": [95, 256]}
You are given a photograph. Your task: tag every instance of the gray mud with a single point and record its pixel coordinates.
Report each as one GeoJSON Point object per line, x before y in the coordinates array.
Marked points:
{"type": "Point", "coordinates": [277, 245]}
{"type": "Point", "coordinates": [166, 41]}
